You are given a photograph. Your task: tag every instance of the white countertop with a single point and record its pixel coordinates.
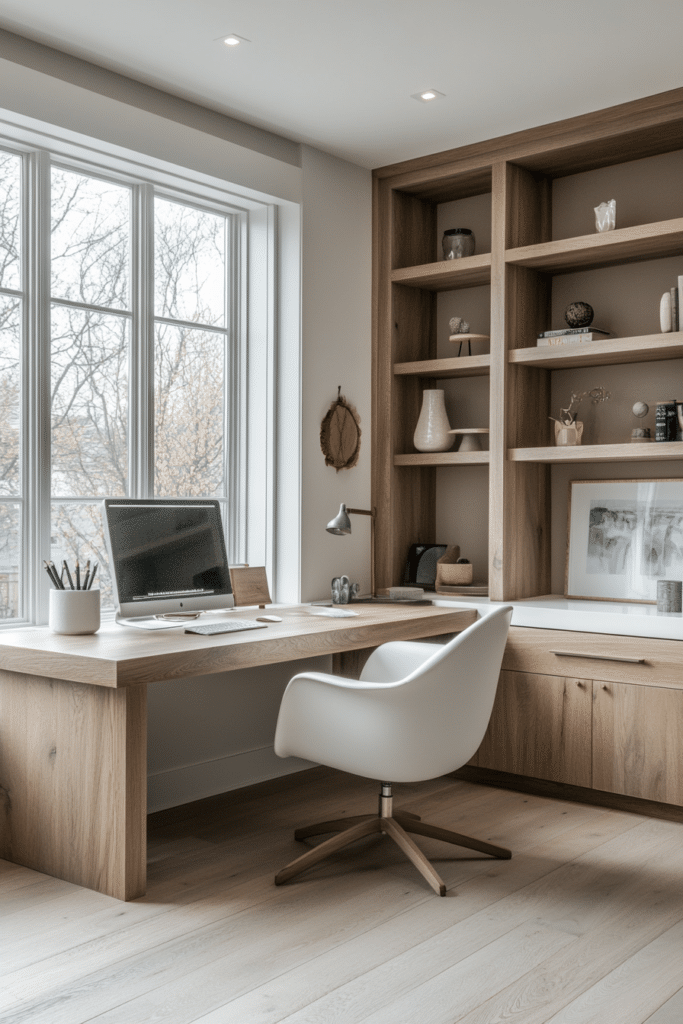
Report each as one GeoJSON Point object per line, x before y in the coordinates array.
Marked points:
{"type": "Point", "coordinates": [556, 612]}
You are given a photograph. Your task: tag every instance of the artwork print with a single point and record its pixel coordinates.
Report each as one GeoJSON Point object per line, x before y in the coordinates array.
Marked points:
{"type": "Point", "coordinates": [624, 535]}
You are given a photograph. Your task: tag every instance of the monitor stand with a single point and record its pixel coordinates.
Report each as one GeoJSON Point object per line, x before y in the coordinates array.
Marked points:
{"type": "Point", "coordinates": [151, 622]}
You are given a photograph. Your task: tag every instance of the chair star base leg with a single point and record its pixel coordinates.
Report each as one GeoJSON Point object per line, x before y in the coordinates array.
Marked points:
{"type": "Point", "coordinates": [395, 825]}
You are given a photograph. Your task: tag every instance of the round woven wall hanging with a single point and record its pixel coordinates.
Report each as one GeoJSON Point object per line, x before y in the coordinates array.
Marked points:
{"type": "Point", "coordinates": [340, 434]}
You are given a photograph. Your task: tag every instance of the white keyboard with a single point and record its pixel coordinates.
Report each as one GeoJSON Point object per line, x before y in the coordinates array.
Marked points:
{"type": "Point", "coordinates": [233, 626]}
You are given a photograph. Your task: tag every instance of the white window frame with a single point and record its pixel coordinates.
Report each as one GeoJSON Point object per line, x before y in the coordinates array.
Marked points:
{"type": "Point", "coordinates": [250, 454]}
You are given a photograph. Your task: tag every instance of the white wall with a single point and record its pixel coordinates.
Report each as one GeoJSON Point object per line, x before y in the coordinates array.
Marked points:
{"type": "Point", "coordinates": [210, 734]}
{"type": "Point", "coordinates": [335, 305]}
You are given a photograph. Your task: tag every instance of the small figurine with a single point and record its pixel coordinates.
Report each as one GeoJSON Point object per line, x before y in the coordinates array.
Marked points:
{"type": "Point", "coordinates": [640, 434]}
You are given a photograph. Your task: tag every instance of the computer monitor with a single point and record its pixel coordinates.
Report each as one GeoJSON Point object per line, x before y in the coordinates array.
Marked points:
{"type": "Point", "coordinates": [167, 557]}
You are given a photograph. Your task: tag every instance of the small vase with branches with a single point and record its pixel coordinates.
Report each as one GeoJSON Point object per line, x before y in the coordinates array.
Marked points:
{"type": "Point", "coordinates": [569, 430]}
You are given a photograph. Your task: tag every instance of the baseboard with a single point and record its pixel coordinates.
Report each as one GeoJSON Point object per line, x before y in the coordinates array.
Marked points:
{"type": "Point", "coordinates": [208, 778]}
{"type": "Point", "coordinates": [563, 791]}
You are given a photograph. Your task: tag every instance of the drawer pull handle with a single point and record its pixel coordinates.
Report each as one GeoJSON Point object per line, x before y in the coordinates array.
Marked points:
{"type": "Point", "coordinates": [599, 657]}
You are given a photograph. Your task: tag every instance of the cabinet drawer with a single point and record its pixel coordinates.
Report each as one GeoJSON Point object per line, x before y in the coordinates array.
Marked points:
{"type": "Point", "coordinates": [624, 659]}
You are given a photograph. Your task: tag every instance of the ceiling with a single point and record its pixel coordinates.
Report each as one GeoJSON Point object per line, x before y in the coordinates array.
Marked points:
{"type": "Point", "coordinates": [339, 74]}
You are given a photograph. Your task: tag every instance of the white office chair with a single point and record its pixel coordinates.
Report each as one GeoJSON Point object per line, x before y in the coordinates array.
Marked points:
{"type": "Point", "coordinates": [418, 711]}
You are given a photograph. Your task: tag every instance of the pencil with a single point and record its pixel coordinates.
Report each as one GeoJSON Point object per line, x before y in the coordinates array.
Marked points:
{"type": "Point", "coordinates": [48, 570]}
{"type": "Point", "coordinates": [87, 573]}
{"type": "Point", "coordinates": [55, 575]}
{"type": "Point", "coordinates": [68, 574]}
{"type": "Point", "coordinates": [93, 574]}
{"type": "Point", "coordinates": [78, 576]}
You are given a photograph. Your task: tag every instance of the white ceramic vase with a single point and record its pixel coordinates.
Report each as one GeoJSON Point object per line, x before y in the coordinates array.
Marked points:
{"type": "Point", "coordinates": [432, 430]}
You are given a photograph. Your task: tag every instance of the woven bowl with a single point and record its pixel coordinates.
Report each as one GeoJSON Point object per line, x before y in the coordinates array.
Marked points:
{"type": "Point", "coordinates": [455, 575]}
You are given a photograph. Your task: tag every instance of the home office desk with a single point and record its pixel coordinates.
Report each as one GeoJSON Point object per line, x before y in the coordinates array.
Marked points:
{"type": "Point", "coordinates": [73, 725]}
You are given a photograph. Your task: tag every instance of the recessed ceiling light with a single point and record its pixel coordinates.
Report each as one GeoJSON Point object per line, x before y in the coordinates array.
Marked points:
{"type": "Point", "coordinates": [427, 96]}
{"type": "Point", "coordinates": [233, 40]}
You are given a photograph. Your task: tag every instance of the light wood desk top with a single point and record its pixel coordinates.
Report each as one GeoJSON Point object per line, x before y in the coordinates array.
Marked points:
{"type": "Point", "coordinates": [119, 656]}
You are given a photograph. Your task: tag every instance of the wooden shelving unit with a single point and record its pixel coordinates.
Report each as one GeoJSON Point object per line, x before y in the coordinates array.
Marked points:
{"type": "Point", "coordinates": [517, 173]}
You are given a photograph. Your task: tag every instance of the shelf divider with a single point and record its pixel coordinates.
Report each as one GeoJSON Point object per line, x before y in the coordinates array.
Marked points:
{"type": "Point", "coordinates": [443, 459]}
{"type": "Point", "coordinates": [652, 452]}
{"type": "Point", "coordinates": [602, 249]}
{"type": "Point", "coordinates": [443, 369]}
{"type": "Point", "coordinates": [645, 349]}
{"type": "Point", "coordinates": [446, 275]}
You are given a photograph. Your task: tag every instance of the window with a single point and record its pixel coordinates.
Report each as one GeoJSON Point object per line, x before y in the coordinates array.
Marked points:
{"type": "Point", "coordinates": [123, 357]}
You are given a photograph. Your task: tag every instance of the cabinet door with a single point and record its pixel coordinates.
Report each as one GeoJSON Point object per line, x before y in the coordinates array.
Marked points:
{"type": "Point", "coordinates": [541, 727]}
{"type": "Point", "coordinates": [638, 741]}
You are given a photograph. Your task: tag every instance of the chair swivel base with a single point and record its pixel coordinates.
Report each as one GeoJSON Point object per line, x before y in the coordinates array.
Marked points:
{"type": "Point", "coordinates": [397, 826]}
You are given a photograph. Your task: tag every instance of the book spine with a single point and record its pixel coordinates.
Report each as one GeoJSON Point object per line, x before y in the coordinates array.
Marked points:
{"type": "Point", "coordinates": [572, 330]}
{"type": "Point", "coordinates": [674, 310]}
{"type": "Point", "coordinates": [680, 299]}
{"type": "Point", "coordinates": [666, 422]}
{"type": "Point", "coordinates": [567, 339]}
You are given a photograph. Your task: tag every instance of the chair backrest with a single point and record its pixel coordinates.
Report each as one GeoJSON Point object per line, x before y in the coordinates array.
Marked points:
{"type": "Point", "coordinates": [435, 716]}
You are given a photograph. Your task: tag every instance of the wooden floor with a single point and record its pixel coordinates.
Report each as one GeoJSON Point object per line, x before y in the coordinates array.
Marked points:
{"type": "Point", "coordinates": [584, 924]}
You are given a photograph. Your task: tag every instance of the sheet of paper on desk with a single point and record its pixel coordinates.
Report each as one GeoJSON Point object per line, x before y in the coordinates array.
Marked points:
{"type": "Point", "coordinates": [332, 613]}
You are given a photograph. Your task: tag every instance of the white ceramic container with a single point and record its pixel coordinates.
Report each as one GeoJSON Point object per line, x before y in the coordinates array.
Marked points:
{"type": "Point", "coordinates": [432, 430]}
{"type": "Point", "coordinates": [74, 611]}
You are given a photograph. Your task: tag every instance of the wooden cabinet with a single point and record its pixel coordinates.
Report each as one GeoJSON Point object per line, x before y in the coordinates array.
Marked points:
{"type": "Point", "coordinates": [638, 741]}
{"type": "Point", "coordinates": [613, 735]}
{"type": "Point", "coordinates": [540, 727]}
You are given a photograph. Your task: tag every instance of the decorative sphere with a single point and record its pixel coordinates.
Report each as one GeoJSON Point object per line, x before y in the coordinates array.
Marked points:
{"type": "Point", "coordinates": [579, 314]}
{"type": "Point", "coordinates": [640, 409]}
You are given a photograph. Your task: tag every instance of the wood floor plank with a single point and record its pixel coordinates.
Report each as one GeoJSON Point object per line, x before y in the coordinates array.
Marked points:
{"type": "Point", "coordinates": [214, 941]}
{"type": "Point", "coordinates": [670, 1012]}
{"type": "Point", "coordinates": [413, 976]}
{"type": "Point", "coordinates": [632, 990]}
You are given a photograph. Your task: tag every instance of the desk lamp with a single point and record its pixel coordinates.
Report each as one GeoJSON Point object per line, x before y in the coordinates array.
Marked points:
{"type": "Point", "coordinates": [341, 525]}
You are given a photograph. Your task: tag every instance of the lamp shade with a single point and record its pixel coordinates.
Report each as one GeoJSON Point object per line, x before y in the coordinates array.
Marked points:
{"type": "Point", "coordinates": [341, 523]}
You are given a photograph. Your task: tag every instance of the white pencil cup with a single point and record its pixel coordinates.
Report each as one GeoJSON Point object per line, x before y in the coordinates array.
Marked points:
{"type": "Point", "coordinates": [74, 611]}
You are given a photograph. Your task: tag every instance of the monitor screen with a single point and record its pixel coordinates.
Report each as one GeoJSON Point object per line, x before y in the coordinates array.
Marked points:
{"type": "Point", "coordinates": [167, 555]}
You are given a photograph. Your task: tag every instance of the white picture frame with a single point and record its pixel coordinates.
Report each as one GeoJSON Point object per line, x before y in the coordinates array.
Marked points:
{"type": "Point", "coordinates": [623, 536]}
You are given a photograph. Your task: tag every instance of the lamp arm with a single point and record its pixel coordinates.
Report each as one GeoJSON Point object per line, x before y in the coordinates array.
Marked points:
{"type": "Point", "coordinates": [373, 515]}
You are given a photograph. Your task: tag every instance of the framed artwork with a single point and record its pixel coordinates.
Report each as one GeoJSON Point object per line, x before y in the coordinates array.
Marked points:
{"type": "Point", "coordinates": [623, 536]}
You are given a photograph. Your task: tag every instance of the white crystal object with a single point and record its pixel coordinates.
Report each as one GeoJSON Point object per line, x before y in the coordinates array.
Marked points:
{"type": "Point", "coordinates": [454, 324]}
{"type": "Point", "coordinates": [606, 216]}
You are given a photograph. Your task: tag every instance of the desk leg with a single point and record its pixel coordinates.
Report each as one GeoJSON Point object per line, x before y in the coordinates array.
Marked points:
{"type": "Point", "coordinates": [73, 781]}
{"type": "Point", "coordinates": [350, 664]}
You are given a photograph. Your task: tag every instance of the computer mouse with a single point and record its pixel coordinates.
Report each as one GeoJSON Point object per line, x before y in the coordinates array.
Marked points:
{"type": "Point", "coordinates": [268, 618]}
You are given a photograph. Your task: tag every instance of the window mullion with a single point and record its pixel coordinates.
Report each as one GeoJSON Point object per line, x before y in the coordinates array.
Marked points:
{"type": "Point", "coordinates": [141, 405]}
{"type": "Point", "coordinates": [36, 455]}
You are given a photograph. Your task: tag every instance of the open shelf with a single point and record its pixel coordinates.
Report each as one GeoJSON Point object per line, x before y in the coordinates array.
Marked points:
{"type": "Point", "coordinates": [652, 452]}
{"type": "Point", "coordinates": [444, 369]}
{"type": "Point", "coordinates": [644, 349]}
{"type": "Point", "coordinates": [608, 248]}
{"type": "Point", "coordinates": [446, 275]}
{"type": "Point", "coordinates": [444, 459]}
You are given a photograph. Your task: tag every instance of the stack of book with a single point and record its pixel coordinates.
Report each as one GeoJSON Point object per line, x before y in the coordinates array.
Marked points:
{"type": "Point", "coordinates": [571, 336]}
